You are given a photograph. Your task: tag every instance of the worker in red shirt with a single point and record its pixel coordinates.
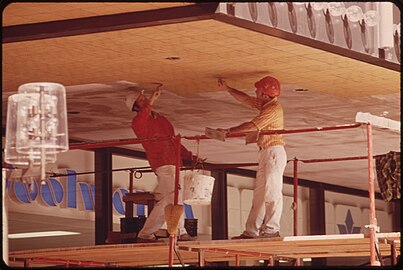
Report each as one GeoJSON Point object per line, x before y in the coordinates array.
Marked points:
{"type": "Point", "coordinates": [161, 154]}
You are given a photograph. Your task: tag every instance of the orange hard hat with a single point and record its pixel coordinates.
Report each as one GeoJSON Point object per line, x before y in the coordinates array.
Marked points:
{"type": "Point", "coordinates": [269, 85]}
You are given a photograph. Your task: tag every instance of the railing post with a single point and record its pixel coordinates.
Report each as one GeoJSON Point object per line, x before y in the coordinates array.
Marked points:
{"type": "Point", "coordinates": [178, 165]}
{"type": "Point", "coordinates": [295, 204]}
{"type": "Point", "coordinates": [371, 190]}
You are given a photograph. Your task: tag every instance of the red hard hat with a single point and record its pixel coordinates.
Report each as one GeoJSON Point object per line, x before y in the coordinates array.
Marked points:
{"type": "Point", "coordinates": [269, 85]}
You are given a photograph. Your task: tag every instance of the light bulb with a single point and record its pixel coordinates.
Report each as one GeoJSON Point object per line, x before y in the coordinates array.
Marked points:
{"type": "Point", "coordinates": [371, 18]}
{"type": "Point", "coordinates": [318, 6]}
{"type": "Point", "coordinates": [354, 13]}
{"type": "Point", "coordinates": [336, 8]}
{"type": "Point", "coordinates": [299, 5]}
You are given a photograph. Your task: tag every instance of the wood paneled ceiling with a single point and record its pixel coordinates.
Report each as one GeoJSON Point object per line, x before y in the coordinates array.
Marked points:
{"type": "Point", "coordinates": [187, 57]}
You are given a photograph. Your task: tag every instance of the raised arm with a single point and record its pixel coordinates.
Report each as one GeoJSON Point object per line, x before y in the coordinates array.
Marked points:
{"type": "Point", "coordinates": [155, 95]}
{"type": "Point", "coordinates": [240, 96]}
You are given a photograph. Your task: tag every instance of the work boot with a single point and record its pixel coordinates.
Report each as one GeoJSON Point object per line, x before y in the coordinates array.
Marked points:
{"type": "Point", "coordinates": [269, 235]}
{"type": "Point", "coordinates": [243, 236]}
{"type": "Point", "coordinates": [151, 239]}
{"type": "Point", "coordinates": [145, 240]}
{"type": "Point", "coordinates": [185, 237]}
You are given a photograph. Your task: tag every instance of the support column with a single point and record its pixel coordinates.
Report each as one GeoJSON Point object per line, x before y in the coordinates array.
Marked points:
{"type": "Point", "coordinates": [317, 221]}
{"type": "Point", "coordinates": [103, 195]}
{"type": "Point", "coordinates": [396, 215]}
{"type": "Point", "coordinates": [219, 208]}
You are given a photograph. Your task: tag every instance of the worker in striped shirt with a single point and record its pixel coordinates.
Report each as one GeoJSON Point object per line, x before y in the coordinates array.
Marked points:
{"type": "Point", "coordinates": [267, 203]}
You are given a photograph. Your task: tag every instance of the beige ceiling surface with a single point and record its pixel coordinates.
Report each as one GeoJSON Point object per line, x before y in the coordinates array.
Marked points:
{"type": "Point", "coordinates": [99, 69]}
{"type": "Point", "coordinates": [207, 50]}
{"type": "Point", "coordinates": [24, 13]}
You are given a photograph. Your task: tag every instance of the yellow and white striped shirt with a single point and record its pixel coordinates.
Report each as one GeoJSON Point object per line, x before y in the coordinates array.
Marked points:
{"type": "Point", "coordinates": [271, 117]}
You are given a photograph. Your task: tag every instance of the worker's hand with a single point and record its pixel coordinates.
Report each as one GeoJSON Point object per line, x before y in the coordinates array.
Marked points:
{"type": "Point", "coordinates": [155, 95]}
{"type": "Point", "coordinates": [223, 84]}
{"type": "Point", "coordinates": [224, 130]}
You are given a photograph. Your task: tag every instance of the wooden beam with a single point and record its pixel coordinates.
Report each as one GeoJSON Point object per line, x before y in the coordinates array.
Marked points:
{"type": "Point", "coordinates": [113, 22]}
{"type": "Point", "coordinates": [152, 254]}
{"type": "Point", "coordinates": [378, 121]}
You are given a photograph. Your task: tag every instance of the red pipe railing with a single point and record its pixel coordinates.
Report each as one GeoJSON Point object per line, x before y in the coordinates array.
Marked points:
{"type": "Point", "coordinates": [173, 238]}
{"type": "Point", "coordinates": [234, 135]}
{"type": "Point", "coordinates": [178, 165]}
{"type": "Point", "coordinates": [295, 206]}
{"type": "Point", "coordinates": [93, 145]}
{"type": "Point", "coordinates": [332, 159]}
{"type": "Point", "coordinates": [279, 131]}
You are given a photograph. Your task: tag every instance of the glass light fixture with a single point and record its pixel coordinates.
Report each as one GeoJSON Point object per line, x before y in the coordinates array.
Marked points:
{"type": "Point", "coordinates": [336, 8]}
{"type": "Point", "coordinates": [354, 13]}
{"type": "Point", "coordinates": [371, 18]}
{"type": "Point", "coordinates": [11, 155]}
{"type": "Point", "coordinates": [36, 125]}
{"type": "Point", "coordinates": [299, 5]}
{"type": "Point", "coordinates": [318, 6]}
{"type": "Point", "coordinates": [385, 25]}
{"type": "Point", "coordinates": [42, 119]}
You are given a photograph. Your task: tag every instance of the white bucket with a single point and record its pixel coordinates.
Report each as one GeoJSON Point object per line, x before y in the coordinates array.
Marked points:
{"type": "Point", "coordinates": [198, 189]}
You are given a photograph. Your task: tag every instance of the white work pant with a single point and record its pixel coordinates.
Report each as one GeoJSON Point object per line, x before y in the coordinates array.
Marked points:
{"type": "Point", "coordinates": [267, 204]}
{"type": "Point", "coordinates": [164, 194]}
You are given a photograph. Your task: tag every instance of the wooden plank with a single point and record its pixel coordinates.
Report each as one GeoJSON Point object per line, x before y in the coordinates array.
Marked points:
{"type": "Point", "coordinates": [148, 254]}
{"type": "Point", "coordinates": [378, 121]}
{"type": "Point", "coordinates": [138, 197]}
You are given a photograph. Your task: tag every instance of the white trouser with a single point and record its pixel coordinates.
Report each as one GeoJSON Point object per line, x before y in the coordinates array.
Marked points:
{"type": "Point", "coordinates": [164, 195]}
{"type": "Point", "coordinates": [267, 204]}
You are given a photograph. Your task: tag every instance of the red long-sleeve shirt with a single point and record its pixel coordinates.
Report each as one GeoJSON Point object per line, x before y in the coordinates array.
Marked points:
{"type": "Point", "coordinates": [151, 124]}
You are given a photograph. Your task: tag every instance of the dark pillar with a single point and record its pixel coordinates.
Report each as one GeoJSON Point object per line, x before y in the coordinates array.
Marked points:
{"type": "Point", "coordinates": [317, 221]}
{"type": "Point", "coordinates": [219, 208]}
{"type": "Point", "coordinates": [381, 53]}
{"type": "Point", "coordinates": [103, 195]}
{"type": "Point", "coordinates": [396, 215]}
